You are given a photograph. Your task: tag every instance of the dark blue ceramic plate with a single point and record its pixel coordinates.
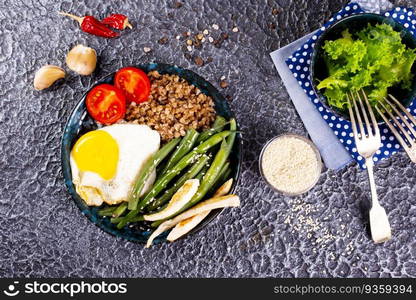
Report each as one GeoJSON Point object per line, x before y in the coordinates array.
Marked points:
{"type": "Point", "coordinates": [80, 122]}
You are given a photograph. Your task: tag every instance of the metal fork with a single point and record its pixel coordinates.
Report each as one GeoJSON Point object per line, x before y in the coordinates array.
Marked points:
{"type": "Point", "coordinates": [408, 142]}
{"type": "Point", "coordinates": [368, 142]}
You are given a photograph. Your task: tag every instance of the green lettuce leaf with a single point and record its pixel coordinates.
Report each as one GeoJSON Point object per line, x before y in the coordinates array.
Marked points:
{"type": "Point", "coordinates": [373, 59]}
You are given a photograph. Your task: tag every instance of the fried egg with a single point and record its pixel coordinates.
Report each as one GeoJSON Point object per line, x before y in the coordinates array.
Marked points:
{"type": "Point", "coordinates": [106, 162]}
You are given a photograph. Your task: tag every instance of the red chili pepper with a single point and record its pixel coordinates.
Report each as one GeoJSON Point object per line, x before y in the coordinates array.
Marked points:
{"type": "Point", "coordinates": [117, 21]}
{"type": "Point", "coordinates": [91, 25]}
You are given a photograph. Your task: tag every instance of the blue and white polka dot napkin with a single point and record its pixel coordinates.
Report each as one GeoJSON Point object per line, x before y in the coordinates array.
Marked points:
{"type": "Point", "coordinates": [299, 63]}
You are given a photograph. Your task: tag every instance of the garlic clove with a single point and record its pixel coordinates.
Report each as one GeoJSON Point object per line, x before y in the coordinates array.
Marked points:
{"type": "Point", "coordinates": [46, 76]}
{"type": "Point", "coordinates": [82, 59]}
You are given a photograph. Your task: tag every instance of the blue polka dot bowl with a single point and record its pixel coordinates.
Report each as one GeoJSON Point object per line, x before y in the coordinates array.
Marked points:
{"type": "Point", "coordinates": [80, 122]}
{"type": "Point", "coordinates": [354, 24]}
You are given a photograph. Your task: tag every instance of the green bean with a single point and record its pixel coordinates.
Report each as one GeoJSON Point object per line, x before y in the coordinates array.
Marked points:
{"type": "Point", "coordinates": [216, 166]}
{"type": "Point", "coordinates": [147, 170]}
{"type": "Point", "coordinates": [160, 208]}
{"type": "Point", "coordinates": [222, 177]}
{"type": "Point", "coordinates": [137, 219]}
{"type": "Point", "coordinates": [186, 144]}
{"type": "Point", "coordinates": [225, 177]}
{"type": "Point", "coordinates": [107, 211]}
{"type": "Point", "coordinates": [202, 173]}
{"type": "Point", "coordinates": [122, 221]}
{"type": "Point", "coordinates": [163, 181]}
{"type": "Point", "coordinates": [212, 173]}
{"type": "Point", "coordinates": [198, 176]}
{"type": "Point", "coordinates": [214, 170]}
{"type": "Point", "coordinates": [191, 173]}
{"type": "Point", "coordinates": [211, 142]}
{"type": "Point", "coordinates": [172, 173]}
{"type": "Point", "coordinates": [120, 209]}
{"type": "Point", "coordinates": [218, 125]}
{"type": "Point", "coordinates": [116, 220]}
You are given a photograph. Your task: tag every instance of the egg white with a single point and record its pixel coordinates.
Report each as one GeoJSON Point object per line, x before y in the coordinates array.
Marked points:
{"type": "Point", "coordinates": [136, 144]}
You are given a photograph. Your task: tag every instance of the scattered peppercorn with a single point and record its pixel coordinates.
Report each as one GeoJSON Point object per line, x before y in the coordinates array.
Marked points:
{"type": "Point", "coordinates": [223, 84]}
{"type": "Point", "coordinates": [163, 40]}
{"type": "Point", "coordinates": [217, 43]}
{"type": "Point", "coordinates": [199, 61]}
{"type": "Point", "coordinates": [223, 36]}
{"type": "Point", "coordinates": [188, 56]}
{"type": "Point", "coordinates": [177, 4]}
{"type": "Point", "coordinates": [197, 44]}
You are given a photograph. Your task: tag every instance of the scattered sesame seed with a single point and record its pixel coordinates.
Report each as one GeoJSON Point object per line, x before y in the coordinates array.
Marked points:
{"type": "Point", "coordinates": [203, 40]}
{"type": "Point", "coordinates": [222, 77]}
{"type": "Point", "coordinates": [147, 49]}
{"type": "Point", "coordinates": [189, 42]}
{"type": "Point", "coordinates": [215, 26]}
{"type": "Point", "coordinates": [205, 32]}
{"type": "Point", "coordinates": [211, 39]}
{"type": "Point", "coordinates": [178, 37]}
{"type": "Point", "coordinates": [235, 29]}
{"type": "Point", "coordinates": [301, 219]}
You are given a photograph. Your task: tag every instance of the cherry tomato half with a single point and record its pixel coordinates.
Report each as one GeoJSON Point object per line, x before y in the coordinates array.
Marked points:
{"type": "Point", "coordinates": [134, 83]}
{"type": "Point", "coordinates": [106, 104]}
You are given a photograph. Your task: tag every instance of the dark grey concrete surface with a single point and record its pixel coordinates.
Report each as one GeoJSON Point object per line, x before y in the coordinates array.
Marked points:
{"type": "Point", "coordinates": [323, 233]}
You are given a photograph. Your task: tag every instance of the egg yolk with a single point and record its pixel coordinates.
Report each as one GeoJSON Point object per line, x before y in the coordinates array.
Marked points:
{"type": "Point", "coordinates": [97, 151]}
